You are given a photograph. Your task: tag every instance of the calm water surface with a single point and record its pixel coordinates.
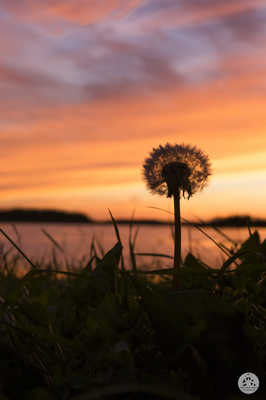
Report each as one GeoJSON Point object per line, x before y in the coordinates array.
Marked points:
{"type": "Point", "coordinates": [76, 241]}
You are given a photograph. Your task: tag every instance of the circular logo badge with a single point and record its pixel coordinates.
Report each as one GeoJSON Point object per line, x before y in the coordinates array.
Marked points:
{"type": "Point", "coordinates": [248, 383]}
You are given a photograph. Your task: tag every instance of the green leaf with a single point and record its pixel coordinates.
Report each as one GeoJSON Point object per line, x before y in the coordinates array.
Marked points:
{"type": "Point", "coordinates": [111, 259]}
{"type": "Point", "coordinates": [192, 262]}
{"type": "Point", "coordinates": [105, 273]}
{"type": "Point", "coordinates": [196, 274]}
{"type": "Point", "coordinates": [250, 247]}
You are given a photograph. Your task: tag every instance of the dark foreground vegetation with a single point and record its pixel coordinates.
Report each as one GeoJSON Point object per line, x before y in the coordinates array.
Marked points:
{"type": "Point", "coordinates": [103, 331]}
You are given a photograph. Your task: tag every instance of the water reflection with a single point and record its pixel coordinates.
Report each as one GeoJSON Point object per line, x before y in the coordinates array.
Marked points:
{"type": "Point", "coordinates": [76, 242]}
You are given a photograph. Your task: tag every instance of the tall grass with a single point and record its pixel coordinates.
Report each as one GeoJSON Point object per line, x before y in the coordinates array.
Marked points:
{"type": "Point", "coordinates": [63, 328]}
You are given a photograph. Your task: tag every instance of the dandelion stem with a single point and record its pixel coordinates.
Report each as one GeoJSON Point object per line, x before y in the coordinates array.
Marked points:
{"type": "Point", "coordinates": [171, 169]}
{"type": "Point", "coordinates": [177, 254]}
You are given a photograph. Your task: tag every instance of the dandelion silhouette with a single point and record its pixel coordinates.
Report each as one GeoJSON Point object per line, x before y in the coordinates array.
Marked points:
{"type": "Point", "coordinates": [171, 169]}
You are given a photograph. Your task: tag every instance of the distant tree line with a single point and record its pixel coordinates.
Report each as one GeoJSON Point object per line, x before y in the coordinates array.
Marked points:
{"type": "Point", "coordinates": [30, 215]}
{"type": "Point", "coordinates": [56, 216]}
{"type": "Point", "coordinates": [238, 221]}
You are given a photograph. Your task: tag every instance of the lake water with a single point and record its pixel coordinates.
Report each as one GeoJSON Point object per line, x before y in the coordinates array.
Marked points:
{"type": "Point", "coordinates": [76, 241]}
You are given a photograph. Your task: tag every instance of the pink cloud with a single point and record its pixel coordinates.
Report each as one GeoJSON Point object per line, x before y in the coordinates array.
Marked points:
{"type": "Point", "coordinates": [78, 11]}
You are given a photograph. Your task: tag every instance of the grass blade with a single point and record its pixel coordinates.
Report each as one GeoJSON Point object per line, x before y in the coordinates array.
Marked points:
{"type": "Point", "coordinates": [40, 271]}
{"type": "Point", "coordinates": [197, 227]}
{"type": "Point", "coordinates": [100, 246]}
{"type": "Point", "coordinates": [249, 230]}
{"type": "Point", "coordinates": [208, 236]}
{"type": "Point", "coordinates": [93, 252]}
{"type": "Point", "coordinates": [231, 260]}
{"type": "Point", "coordinates": [124, 275]}
{"type": "Point", "coordinates": [130, 225]}
{"type": "Point", "coordinates": [154, 254]}
{"type": "Point", "coordinates": [17, 233]}
{"type": "Point", "coordinates": [132, 245]}
{"type": "Point", "coordinates": [57, 245]}
{"type": "Point", "coordinates": [157, 208]}
{"type": "Point", "coordinates": [135, 236]}
{"type": "Point", "coordinates": [88, 266]}
{"type": "Point", "coordinates": [18, 249]}
{"type": "Point", "coordinates": [118, 237]}
{"type": "Point", "coordinates": [220, 232]}
{"type": "Point", "coordinates": [221, 247]}
{"type": "Point", "coordinates": [201, 230]}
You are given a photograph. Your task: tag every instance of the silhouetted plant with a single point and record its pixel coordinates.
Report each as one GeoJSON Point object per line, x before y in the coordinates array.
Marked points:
{"type": "Point", "coordinates": [170, 169]}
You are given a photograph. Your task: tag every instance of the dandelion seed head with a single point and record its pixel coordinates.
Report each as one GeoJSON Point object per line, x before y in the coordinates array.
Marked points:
{"type": "Point", "coordinates": [172, 168]}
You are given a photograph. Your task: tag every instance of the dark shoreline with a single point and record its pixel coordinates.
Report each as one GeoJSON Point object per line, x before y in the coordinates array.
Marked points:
{"type": "Point", "coordinates": [62, 217]}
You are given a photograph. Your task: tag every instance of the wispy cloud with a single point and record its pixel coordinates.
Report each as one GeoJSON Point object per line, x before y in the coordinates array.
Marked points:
{"type": "Point", "coordinates": [113, 58]}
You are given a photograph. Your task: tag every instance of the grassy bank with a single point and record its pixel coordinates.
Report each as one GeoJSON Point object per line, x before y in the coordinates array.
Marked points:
{"type": "Point", "coordinates": [104, 331]}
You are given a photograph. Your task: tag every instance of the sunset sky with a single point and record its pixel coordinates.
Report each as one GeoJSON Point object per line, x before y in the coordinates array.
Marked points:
{"type": "Point", "coordinates": [90, 87]}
